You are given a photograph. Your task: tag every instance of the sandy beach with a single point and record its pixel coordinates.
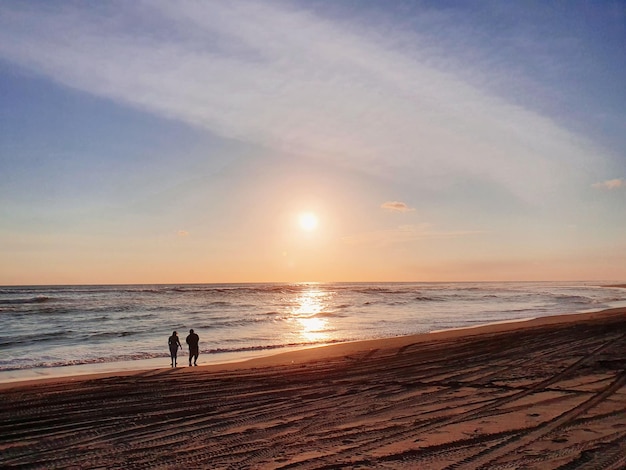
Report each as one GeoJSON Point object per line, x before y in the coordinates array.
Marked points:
{"type": "Point", "coordinates": [547, 393]}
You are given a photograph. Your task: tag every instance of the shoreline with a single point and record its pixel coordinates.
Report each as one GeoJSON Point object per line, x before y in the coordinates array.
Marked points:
{"type": "Point", "coordinates": [545, 393]}
{"type": "Point", "coordinates": [124, 355]}
{"type": "Point", "coordinates": [28, 377]}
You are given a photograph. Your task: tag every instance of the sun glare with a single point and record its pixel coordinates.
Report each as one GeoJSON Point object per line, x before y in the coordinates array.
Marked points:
{"type": "Point", "coordinates": [308, 221]}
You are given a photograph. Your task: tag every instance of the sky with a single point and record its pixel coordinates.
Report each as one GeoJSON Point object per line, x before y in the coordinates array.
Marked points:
{"type": "Point", "coordinates": [183, 141]}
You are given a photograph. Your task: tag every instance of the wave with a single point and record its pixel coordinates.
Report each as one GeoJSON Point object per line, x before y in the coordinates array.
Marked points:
{"type": "Point", "coordinates": [219, 303]}
{"type": "Point", "coordinates": [139, 316]}
{"type": "Point", "coordinates": [272, 346]}
{"type": "Point", "coordinates": [234, 289]}
{"type": "Point", "coordinates": [33, 339]}
{"type": "Point", "coordinates": [323, 315]}
{"type": "Point", "coordinates": [259, 318]}
{"type": "Point", "coordinates": [268, 347]}
{"type": "Point", "coordinates": [380, 290]}
{"type": "Point", "coordinates": [112, 334]}
{"type": "Point", "coordinates": [404, 300]}
{"type": "Point", "coordinates": [575, 299]}
{"type": "Point", "coordinates": [83, 361]}
{"type": "Point", "coordinates": [40, 299]}
{"type": "Point", "coordinates": [149, 355]}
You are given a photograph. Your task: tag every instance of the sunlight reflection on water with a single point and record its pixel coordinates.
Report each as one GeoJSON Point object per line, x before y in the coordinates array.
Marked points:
{"type": "Point", "coordinates": [309, 304]}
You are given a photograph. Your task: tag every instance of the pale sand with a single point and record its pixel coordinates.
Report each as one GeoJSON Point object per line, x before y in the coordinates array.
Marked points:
{"type": "Point", "coordinates": [548, 393]}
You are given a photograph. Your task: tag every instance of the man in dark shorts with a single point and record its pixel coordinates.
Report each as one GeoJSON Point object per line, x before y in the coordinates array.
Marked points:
{"type": "Point", "coordinates": [194, 350]}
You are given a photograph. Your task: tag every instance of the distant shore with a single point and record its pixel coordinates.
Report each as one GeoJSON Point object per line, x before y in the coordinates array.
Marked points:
{"type": "Point", "coordinates": [542, 393]}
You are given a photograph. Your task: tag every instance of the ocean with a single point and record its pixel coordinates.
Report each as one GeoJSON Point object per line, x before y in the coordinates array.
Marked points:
{"type": "Point", "coordinates": [65, 330]}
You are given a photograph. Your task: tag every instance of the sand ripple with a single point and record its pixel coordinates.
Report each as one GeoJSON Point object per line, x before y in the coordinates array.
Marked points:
{"type": "Point", "coordinates": [551, 396]}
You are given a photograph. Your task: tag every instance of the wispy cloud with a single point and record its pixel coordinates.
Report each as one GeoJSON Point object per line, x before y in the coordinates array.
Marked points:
{"type": "Point", "coordinates": [610, 184]}
{"type": "Point", "coordinates": [183, 233]}
{"type": "Point", "coordinates": [396, 206]}
{"type": "Point", "coordinates": [282, 77]}
{"type": "Point", "coordinates": [405, 233]}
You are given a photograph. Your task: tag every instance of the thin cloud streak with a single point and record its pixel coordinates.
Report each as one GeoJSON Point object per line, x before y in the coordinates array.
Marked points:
{"type": "Point", "coordinates": [285, 79]}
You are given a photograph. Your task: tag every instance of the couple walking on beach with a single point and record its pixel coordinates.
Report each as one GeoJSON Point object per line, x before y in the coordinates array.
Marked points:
{"type": "Point", "coordinates": [192, 340]}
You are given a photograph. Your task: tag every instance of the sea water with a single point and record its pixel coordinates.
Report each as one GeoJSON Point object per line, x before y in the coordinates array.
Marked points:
{"type": "Point", "coordinates": [46, 329]}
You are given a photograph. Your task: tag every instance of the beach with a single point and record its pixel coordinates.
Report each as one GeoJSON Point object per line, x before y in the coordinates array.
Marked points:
{"type": "Point", "coordinates": [545, 393]}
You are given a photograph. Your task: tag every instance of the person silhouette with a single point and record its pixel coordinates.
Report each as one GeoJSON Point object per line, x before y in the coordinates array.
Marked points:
{"type": "Point", "coordinates": [174, 344]}
{"type": "Point", "coordinates": [194, 350]}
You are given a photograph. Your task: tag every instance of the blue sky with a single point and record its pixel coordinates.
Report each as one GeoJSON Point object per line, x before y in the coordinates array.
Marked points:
{"type": "Point", "coordinates": [159, 141]}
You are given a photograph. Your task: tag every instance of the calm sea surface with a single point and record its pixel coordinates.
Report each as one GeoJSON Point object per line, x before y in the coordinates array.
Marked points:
{"type": "Point", "coordinates": [47, 327]}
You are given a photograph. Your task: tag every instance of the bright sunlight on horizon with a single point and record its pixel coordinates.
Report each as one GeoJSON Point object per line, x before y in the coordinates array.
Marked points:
{"type": "Point", "coordinates": [292, 141]}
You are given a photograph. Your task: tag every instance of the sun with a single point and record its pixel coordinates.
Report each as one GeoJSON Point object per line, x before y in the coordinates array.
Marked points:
{"type": "Point", "coordinates": [308, 221]}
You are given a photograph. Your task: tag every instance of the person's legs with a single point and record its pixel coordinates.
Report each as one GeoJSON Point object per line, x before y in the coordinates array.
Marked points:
{"type": "Point", "coordinates": [193, 354]}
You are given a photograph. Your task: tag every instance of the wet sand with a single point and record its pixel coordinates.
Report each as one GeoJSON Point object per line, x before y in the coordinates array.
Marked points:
{"type": "Point", "coordinates": [548, 393]}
